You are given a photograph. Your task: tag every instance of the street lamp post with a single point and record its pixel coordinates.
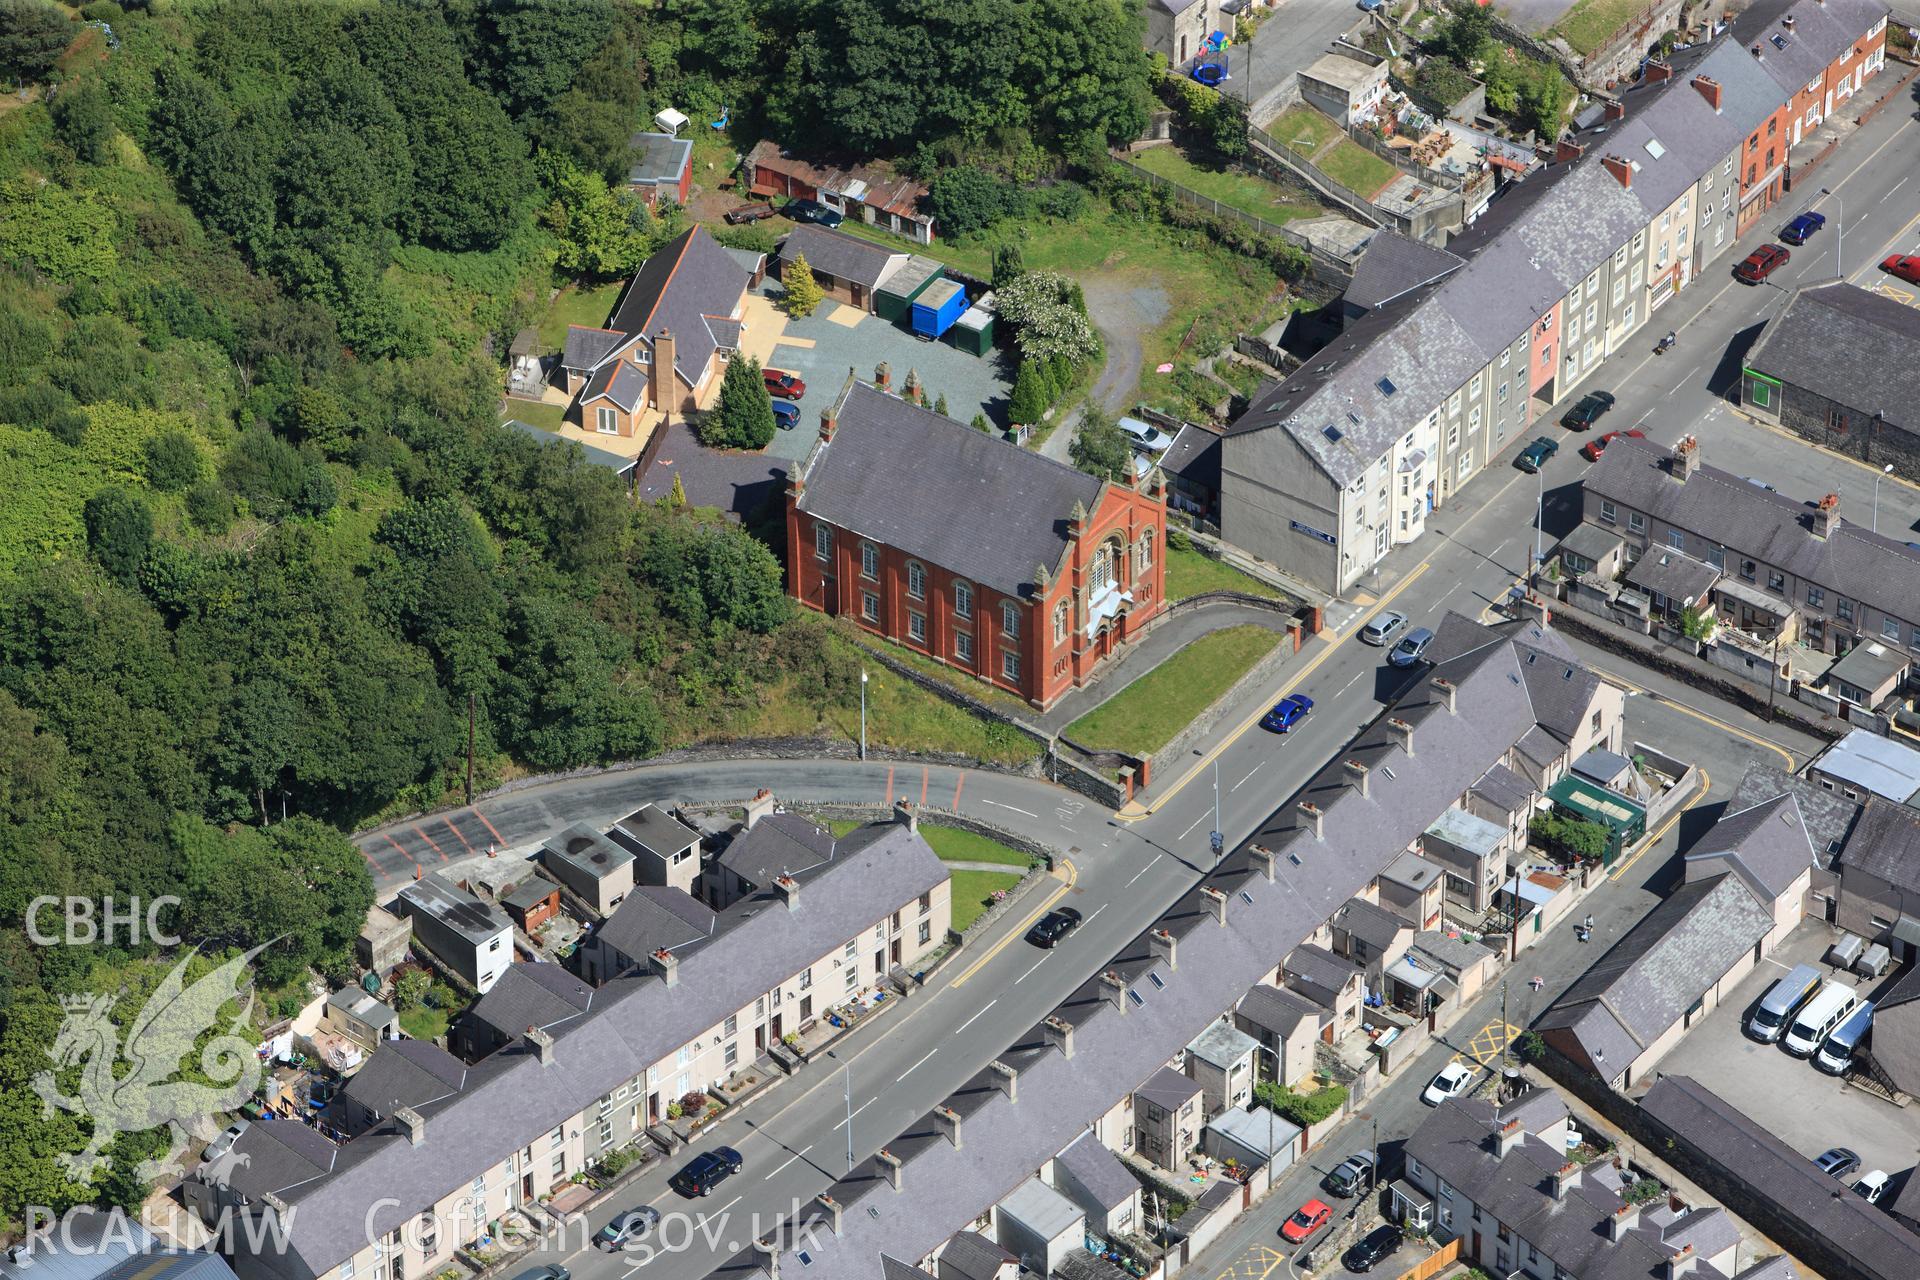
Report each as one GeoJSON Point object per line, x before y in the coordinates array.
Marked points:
{"type": "Point", "coordinates": [1883, 471]}
{"type": "Point", "coordinates": [1839, 233]}
{"type": "Point", "coordinates": [1215, 840]}
{"type": "Point", "coordinates": [863, 713]}
{"type": "Point", "coordinates": [1539, 527]}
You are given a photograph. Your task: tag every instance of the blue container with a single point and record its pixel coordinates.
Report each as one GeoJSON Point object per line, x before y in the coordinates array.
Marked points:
{"type": "Point", "coordinates": [937, 307]}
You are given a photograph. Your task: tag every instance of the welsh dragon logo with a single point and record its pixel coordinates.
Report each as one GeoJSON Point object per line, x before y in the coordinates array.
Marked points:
{"type": "Point", "coordinates": [144, 1095]}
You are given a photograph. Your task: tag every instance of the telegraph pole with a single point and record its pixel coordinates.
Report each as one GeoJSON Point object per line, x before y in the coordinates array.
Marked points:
{"type": "Point", "coordinates": [1216, 841]}
{"type": "Point", "coordinates": [849, 1117]}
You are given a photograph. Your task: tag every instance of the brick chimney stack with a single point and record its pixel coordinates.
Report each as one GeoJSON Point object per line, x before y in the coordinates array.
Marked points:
{"type": "Point", "coordinates": [1686, 458]}
{"type": "Point", "coordinates": [1621, 170]}
{"type": "Point", "coordinates": [1826, 516]}
{"type": "Point", "coordinates": [1709, 89]}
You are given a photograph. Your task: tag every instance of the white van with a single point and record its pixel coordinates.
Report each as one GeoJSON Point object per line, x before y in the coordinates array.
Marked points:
{"type": "Point", "coordinates": [1821, 1017]}
{"type": "Point", "coordinates": [1782, 1001]}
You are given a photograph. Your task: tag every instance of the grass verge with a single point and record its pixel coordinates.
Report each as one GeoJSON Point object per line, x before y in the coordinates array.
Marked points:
{"type": "Point", "coordinates": [955, 845]}
{"type": "Point", "coordinates": [423, 1023]}
{"type": "Point", "coordinates": [1587, 25]}
{"type": "Point", "coordinates": [547, 417]}
{"type": "Point", "coordinates": [1243, 191]}
{"type": "Point", "coordinates": [1189, 573]}
{"type": "Point", "coordinates": [1145, 716]}
{"type": "Point", "coordinates": [576, 305]}
{"type": "Point", "coordinates": [973, 893]}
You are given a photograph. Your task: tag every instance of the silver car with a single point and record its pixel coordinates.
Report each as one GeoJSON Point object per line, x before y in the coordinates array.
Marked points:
{"type": "Point", "coordinates": [1384, 629]}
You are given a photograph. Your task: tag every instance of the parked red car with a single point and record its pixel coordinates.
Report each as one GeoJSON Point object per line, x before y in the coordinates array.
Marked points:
{"type": "Point", "coordinates": [1905, 266]}
{"type": "Point", "coordinates": [1761, 263]}
{"type": "Point", "coordinates": [1593, 448]}
{"type": "Point", "coordinates": [787, 386]}
{"type": "Point", "coordinates": [1306, 1220]}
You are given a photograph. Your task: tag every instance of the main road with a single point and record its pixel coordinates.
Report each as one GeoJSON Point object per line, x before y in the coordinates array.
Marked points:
{"type": "Point", "coordinates": [1123, 873]}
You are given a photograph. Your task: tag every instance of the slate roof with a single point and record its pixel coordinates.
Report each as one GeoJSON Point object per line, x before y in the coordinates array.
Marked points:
{"type": "Point", "coordinates": [1718, 506]}
{"type": "Point", "coordinates": [841, 256]}
{"type": "Point", "coordinates": [656, 918]}
{"type": "Point", "coordinates": [510, 1098]}
{"type": "Point", "coordinates": [1393, 266]}
{"type": "Point", "coordinates": [1467, 831]}
{"type": "Point", "coordinates": [532, 995]}
{"type": "Point", "coordinates": [1194, 456]}
{"type": "Point", "coordinates": [938, 490]}
{"type": "Point", "coordinates": [1594, 541]}
{"type": "Point", "coordinates": [277, 1156]}
{"type": "Point", "coordinates": [1262, 1131]}
{"type": "Point", "coordinates": [1886, 843]}
{"type": "Point", "coordinates": [736, 482]}
{"type": "Point", "coordinates": [1869, 666]}
{"type": "Point", "coordinates": [587, 347]}
{"type": "Point", "coordinates": [1536, 243]}
{"type": "Point", "coordinates": [529, 893]}
{"type": "Point", "coordinates": [1276, 1009]}
{"type": "Point", "coordinates": [686, 280]}
{"type": "Point", "coordinates": [1450, 950]}
{"type": "Point", "coordinates": [1041, 1209]}
{"type": "Point", "coordinates": [658, 158]}
{"type": "Point", "coordinates": [1621, 1005]}
{"type": "Point", "coordinates": [1673, 574]}
{"type": "Point", "coordinates": [619, 381]}
{"type": "Point", "coordinates": [1847, 345]}
{"type": "Point", "coordinates": [1778, 1267]}
{"type": "Point", "coordinates": [1167, 1089]}
{"type": "Point", "coordinates": [974, 1256]}
{"type": "Point", "coordinates": [1372, 924]}
{"type": "Point", "coordinates": [945, 1187]}
{"type": "Point", "coordinates": [407, 1073]}
{"type": "Point", "coordinates": [1504, 789]}
{"type": "Point", "coordinates": [1827, 815]}
{"type": "Point", "coordinates": [1320, 969]}
{"type": "Point", "coordinates": [776, 843]}
{"type": "Point", "coordinates": [1766, 843]}
{"type": "Point", "coordinates": [1099, 1171]}
{"type": "Point", "coordinates": [1868, 1237]}
{"type": "Point", "coordinates": [588, 453]}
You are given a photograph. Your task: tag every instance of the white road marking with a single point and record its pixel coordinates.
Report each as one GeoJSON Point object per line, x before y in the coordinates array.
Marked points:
{"type": "Point", "coordinates": [1096, 913]}
{"type": "Point", "coordinates": [915, 1067]}
{"type": "Point", "coordinates": [1189, 831]}
{"type": "Point", "coordinates": [1257, 768]}
{"type": "Point", "coordinates": [1030, 968]}
{"type": "Point", "coordinates": [856, 1111]}
{"type": "Point", "coordinates": [790, 1159]}
{"type": "Point", "coordinates": [996, 804]}
{"type": "Point", "coordinates": [1142, 871]}
{"type": "Point", "coordinates": [1896, 187]}
{"type": "Point", "coordinates": [976, 1017]}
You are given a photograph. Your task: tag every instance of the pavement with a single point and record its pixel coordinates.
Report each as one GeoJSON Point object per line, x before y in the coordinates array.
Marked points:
{"type": "Point", "coordinates": [1122, 870]}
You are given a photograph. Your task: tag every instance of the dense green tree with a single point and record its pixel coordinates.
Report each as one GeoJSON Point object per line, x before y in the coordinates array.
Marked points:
{"type": "Point", "coordinates": [966, 199]}
{"type": "Point", "coordinates": [1227, 127]}
{"type": "Point", "coordinates": [800, 292]}
{"type": "Point", "coordinates": [712, 573]}
{"type": "Point", "coordinates": [33, 34]}
{"type": "Point", "coordinates": [1099, 446]}
{"type": "Point", "coordinates": [540, 44]}
{"type": "Point", "coordinates": [65, 233]}
{"type": "Point", "coordinates": [603, 233]}
{"type": "Point", "coordinates": [743, 419]}
{"type": "Point", "coordinates": [1008, 265]}
{"type": "Point", "coordinates": [1465, 33]}
{"type": "Point", "coordinates": [1031, 395]}
{"type": "Point", "coordinates": [83, 118]}
{"type": "Point", "coordinates": [981, 424]}
{"type": "Point", "coordinates": [172, 461]}
{"type": "Point", "coordinates": [119, 531]}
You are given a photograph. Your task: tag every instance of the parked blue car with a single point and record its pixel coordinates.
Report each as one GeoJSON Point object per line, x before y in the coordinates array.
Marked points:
{"type": "Point", "coordinates": [786, 414]}
{"type": "Point", "coordinates": [1802, 228]}
{"type": "Point", "coordinates": [1287, 713]}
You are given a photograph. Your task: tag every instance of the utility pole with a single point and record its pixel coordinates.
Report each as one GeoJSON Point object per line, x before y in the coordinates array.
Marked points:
{"type": "Point", "coordinates": [863, 713]}
{"type": "Point", "coordinates": [849, 1117]}
{"type": "Point", "coordinates": [469, 749]}
{"type": "Point", "coordinates": [1215, 840]}
{"type": "Point", "coordinates": [1376, 1154]}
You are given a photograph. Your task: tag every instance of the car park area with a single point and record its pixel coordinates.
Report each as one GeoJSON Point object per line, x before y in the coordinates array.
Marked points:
{"type": "Point", "coordinates": [1809, 1110]}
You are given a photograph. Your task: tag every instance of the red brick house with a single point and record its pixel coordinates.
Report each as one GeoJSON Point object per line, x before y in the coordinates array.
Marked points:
{"type": "Point", "coordinates": [677, 324]}
{"type": "Point", "coordinates": [1017, 569]}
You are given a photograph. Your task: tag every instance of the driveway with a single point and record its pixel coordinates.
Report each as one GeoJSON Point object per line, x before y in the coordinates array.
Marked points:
{"type": "Point", "coordinates": [1124, 313]}
{"type": "Point", "coordinates": [822, 347]}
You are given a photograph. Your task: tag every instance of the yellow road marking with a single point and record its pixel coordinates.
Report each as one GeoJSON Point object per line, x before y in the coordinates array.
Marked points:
{"type": "Point", "coordinates": [1073, 876]}
{"type": "Point", "coordinates": [1332, 643]}
{"type": "Point", "coordinates": [1257, 1263]}
{"type": "Point", "coordinates": [1715, 721]}
{"type": "Point", "coordinates": [1705, 782]}
{"type": "Point", "coordinates": [1489, 1042]}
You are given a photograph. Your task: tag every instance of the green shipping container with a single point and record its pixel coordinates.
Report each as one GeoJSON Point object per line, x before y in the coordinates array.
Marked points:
{"type": "Point", "coordinates": [893, 300]}
{"type": "Point", "coordinates": [973, 331]}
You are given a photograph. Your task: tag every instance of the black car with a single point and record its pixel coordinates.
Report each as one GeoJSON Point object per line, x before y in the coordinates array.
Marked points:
{"type": "Point", "coordinates": [813, 211]}
{"type": "Point", "coordinates": [1054, 926]}
{"type": "Point", "coordinates": [1378, 1245]}
{"type": "Point", "coordinates": [706, 1171]}
{"type": "Point", "coordinates": [1351, 1176]}
{"type": "Point", "coordinates": [1583, 415]}
{"type": "Point", "coordinates": [631, 1225]}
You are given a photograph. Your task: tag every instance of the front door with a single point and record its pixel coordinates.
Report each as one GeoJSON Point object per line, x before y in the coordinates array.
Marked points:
{"type": "Point", "coordinates": [653, 1109]}
{"type": "Point", "coordinates": [526, 1189]}
{"type": "Point", "coordinates": [879, 962]}
{"type": "Point", "coordinates": [896, 951]}
{"type": "Point", "coordinates": [1476, 1246]}
{"type": "Point", "coordinates": [776, 1026]}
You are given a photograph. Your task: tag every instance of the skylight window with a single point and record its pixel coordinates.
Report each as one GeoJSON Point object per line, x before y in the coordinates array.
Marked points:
{"type": "Point", "coordinates": [1134, 996]}
{"type": "Point", "coordinates": [1159, 982]}
{"type": "Point", "coordinates": [1386, 386]}
{"type": "Point", "coordinates": [1246, 897]}
{"type": "Point", "coordinates": [1331, 432]}
{"type": "Point", "coordinates": [1654, 148]}
{"type": "Point", "coordinates": [1779, 42]}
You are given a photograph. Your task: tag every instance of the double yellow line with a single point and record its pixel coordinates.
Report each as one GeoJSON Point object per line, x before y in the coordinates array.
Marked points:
{"type": "Point", "coordinates": [1072, 878]}
{"type": "Point", "coordinates": [1333, 643]}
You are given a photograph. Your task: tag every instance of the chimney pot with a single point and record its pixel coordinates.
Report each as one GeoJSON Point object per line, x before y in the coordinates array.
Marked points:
{"type": "Point", "coordinates": [906, 813]}
{"type": "Point", "coordinates": [1315, 816]}
{"type": "Point", "coordinates": [1448, 691]}
{"type": "Point", "coordinates": [1686, 458]}
{"type": "Point", "coordinates": [1217, 901]}
{"type": "Point", "coordinates": [1566, 151]}
{"type": "Point", "coordinates": [1059, 1033]}
{"type": "Point", "coordinates": [666, 966]}
{"type": "Point", "coordinates": [1115, 988]}
{"type": "Point", "coordinates": [1565, 1179]}
{"type": "Point", "coordinates": [947, 1120]}
{"type": "Point", "coordinates": [789, 890]}
{"type": "Point", "coordinates": [1826, 515]}
{"type": "Point", "coordinates": [1659, 72]}
{"type": "Point", "coordinates": [1621, 170]}
{"type": "Point", "coordinates": [1165, 948]}
{"type": "Point", "coordinates": [1402, 732]}
{"type": "Point", "coordinates": [1625, 1219]}
{"type": "Point", "coordinates": [833, 1209]}
{"type": "Point", "coordinates": [1264, 859]}
{"type": "Point", "coordinates": [1007, 1078]}
{"type": "Point", "coordinates": [761, 806]}
{"type": "Point", "coordinates": [1709, 88]}
{"type": "Point", "coordinates": [276, 1202]}
{"type": "Point", "coordinates": [1357, 774]}
{"type": "Point", "coordinates": [411, 1123]}
{"type": "Point", "coordinates": [893, 1165]}
{"type": "Point", "coordinates": [542, 1045]}
{"type": "Point", "coordinates": [1615, 111]}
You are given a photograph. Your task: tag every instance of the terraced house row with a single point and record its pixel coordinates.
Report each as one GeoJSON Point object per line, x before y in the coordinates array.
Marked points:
{"type": "Point", "coordinates": [1449, 354]}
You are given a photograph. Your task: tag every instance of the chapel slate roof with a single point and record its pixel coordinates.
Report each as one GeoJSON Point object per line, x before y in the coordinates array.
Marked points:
{"type": "Point", "coordinates": [1766, 842]}
{"type": "Point", "coordinates": [1848, 345]}
{"type": "Point", "coordinates": [777, 843]}
{"type": "Point", "coordinates": [1626, 999]}
{"type": "Point", "coordinates": [277, 1156]}
{"type": "Point", "coordinates": [1771, 528]}
{"type": "Point", "coordinates": [1099, 1171]}
{"type": "Point", "coordinates": [1792, 1185]}
{"type": "Point", "coordinates": [1369, 922]}
{"type": "Point", "coordinates": [984, 509]}
{"type": "Point", "coordinates": [1168, 1089]}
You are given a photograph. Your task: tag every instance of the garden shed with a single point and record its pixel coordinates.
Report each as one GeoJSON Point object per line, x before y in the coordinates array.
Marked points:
{"type": "Point", "coordinates": [895, 297]}
{"type": "Point", "coordinates": [973, 331]}
{"type": "Point", "coordinates": [940, 304]}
